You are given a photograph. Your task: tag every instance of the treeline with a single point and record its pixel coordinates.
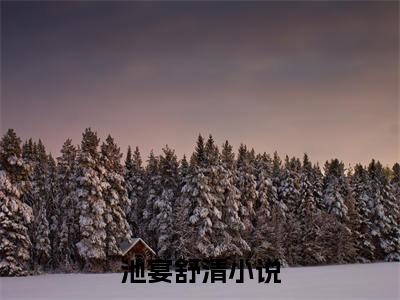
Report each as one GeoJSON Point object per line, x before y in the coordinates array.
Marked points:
{"type": "Point", "coordinates": [71, 213]}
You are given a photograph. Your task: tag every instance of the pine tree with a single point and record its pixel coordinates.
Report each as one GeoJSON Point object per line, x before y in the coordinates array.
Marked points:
{"type": "Point", "coordinates": [195, 208]}
{"type": "Point", "coordinates": [277, 173]}
{"type": "Point", "coordinates": [308, 213]}
{"type": "Point", "coordinates": [289, 194]}
{"type": "Point", "coordinates": [228, 239]}
{"type": "Point", "coordinates": [135, 180]}
{"type": "Point", "coordinates": [317, 183]}
{"type": "Point", "coordinates": [335, 189]}
{"type": "Point", "coordinates": [263, 207]}
{"type": "Point", "coordinates": [163, 207]}
{"type": "Point", "coordinates": [180, 211]}
{"type": "Point", "coordinates": [247, 185]}
{"type": "Point", "coordinates": [198, 158]}
{"type": "Point", "coordinates": [384, 211]}
{"type": "Point", "coordinates": [53, 211]}
{"type": "Point", "coordinates": [362, 221]}
{"type": "Point", "coordinates": [15, 215]}
{"type": "Point", "coordinates": [66, 251]}
{"type": "Point", "coordinates": [395, 182]}
{"type": "Point", "coordinates": [184, 169]}
{"type": "Point", "coordinates": [289, 189]}
{"type": "Point", "coordinates": [28, 151]}
{"type": "Point", "coordinates": [115, 197]}
{"type": "Point", "coordinates": [90, 186]}
{"type": "Point", "coordinates": [153, 193]}
{"type": "Point", "coordinates": [41, 194]}
{"type": "Point", "coordinates": [11, 158]}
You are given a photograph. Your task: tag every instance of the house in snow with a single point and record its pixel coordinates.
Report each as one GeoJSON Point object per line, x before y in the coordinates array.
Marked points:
{"type": "Point", "coordinates": [136, 250]}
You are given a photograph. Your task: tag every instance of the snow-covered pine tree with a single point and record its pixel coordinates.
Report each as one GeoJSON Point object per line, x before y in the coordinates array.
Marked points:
{"type": "Point", "coordinates": [29, 158]}
{"type": "Point", "coordinates": [28, 151]}
{"type": "Point", "coordinates": [66, 252]}
{"type": "Point", "coordinates": [228, 239]}
{"type": "Point", "coordinates": [195, 207]}
{"type": "Point", "coordinates": [11, 160]}
{"type": "Point", "coordinates": [308, 192]}
{"type": "Point", "coordinates": [384, 212]}
{"type": "Point", "coordinates": [53, 210]}
{"type": "Point", "coordinates": [289, 194]}
{"type": "Point", "coordinates": [247, 185]}
{"type": "Point", "coordinates": [15, 215]}
{"type": "Point", "coordinates": [163, 220]}
{"type": "Point", "coordinates": [395, 182]}
{"type": "Point", "coordinates": [263, 206]}
{"type": "Point", "coordinates": [277, 173]}
{"type": "Point", "coordinates": [353, 223]}
{"type": "Point", "coordinates": [362, 223]}
{"type": "Point", "coordinates": [90, 186]}
{"type": "Point", "coordinates": [41, 193]}
{"type": "Point", "coordinates": [265, 189]}
{"type": "Point", "coordinates": [308, 212]}
{"type": "Point", "coordinates": [336, 189]}
{"type": "Point", "coordinates": [219, 184]}
{"type": "Point", "coordinates": [153, 193]}
{"type": "Point", "coordinates": [116, 200]}
{"type": "Point", "coordinates": [135, 180]}
{"type": "Point", "coordinates": [183, 170]}
{"type": "Point", "coordinates": [289, 188]}
{"type": "Point", "coordinates": [180, 211]}
{"type": "Point", "coordinates": [317, 182]}
{"type": "Point", "coordinates": [268, 240]}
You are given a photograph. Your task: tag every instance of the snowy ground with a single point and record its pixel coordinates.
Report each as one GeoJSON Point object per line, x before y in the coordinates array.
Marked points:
{"type": "Point", "coordinates": [371, 281]}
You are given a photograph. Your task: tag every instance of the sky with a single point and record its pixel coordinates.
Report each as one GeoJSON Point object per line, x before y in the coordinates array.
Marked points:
{"type": "Point", "coordinates": [315, 77]}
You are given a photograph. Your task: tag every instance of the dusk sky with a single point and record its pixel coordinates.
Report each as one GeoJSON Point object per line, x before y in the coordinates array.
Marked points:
{"type": "Point", "coordinates": [295, 77]}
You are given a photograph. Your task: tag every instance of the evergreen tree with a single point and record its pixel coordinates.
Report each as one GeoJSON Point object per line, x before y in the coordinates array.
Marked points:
{"type": "Point", "coordinates": [90, 186]}
{"type": "Point", "coordinates": [66, 251]}
{"type": "Point", "coordinates": [41, 194]}
{"type": "Point", "coordinates": [163, 208]}
{"type": "Point", "coordinates": [115, 197]}
{"type": "Point", "coordinates": [28, 151]}
{"type": "Point", "coordinates": [277, 173]}
{"type": "Point", "coordinates": [395, 182]}
{"type": "Point", "coordinates": [384, 212]}
{"type": "Point", "coordinates": [135, 180]}
{"type": "Point", "coordinates": [228, 239]}
{"type": "Point", "coordinates": [263, 207]}
{"type": "Point", "coordinates": [12, 163]}
{"type": "Point", "coordinates": [15, 215]}
{"type": "Point", "coordinates": [195, 208]}
{"type": "Point", "coordinates": [335, 189]}
{"type": "Point", "coordinates": [153, 193]}
{"type": "Point", "coordinates": [362, 221]}
{"type": "Point", "coordinates": [53, 210]}
{"type": "Point", "coordinates": [247, 185]}
{"type": "Point", "coordinates": [289, 189]}
{"type": "Point", "coordinates": [184, 169]}
{"type": "Point", "coordinates": [308, 213]}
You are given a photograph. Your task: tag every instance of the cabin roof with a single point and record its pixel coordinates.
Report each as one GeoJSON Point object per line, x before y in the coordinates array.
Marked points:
{"type": "Point", "coordinates": [126, 245]}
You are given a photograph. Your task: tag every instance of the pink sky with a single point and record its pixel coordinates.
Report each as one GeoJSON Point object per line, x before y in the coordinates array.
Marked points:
{"type": "Point", "coordinates": [320, 78]}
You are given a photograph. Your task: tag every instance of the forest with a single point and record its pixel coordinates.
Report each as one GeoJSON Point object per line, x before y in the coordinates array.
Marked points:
{"type": "Point", "coordinates": [70, 213]}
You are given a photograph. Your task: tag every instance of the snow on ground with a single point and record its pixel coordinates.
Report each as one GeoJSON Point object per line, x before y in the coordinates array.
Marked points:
{"type": "Point", "coordinates": [369, 281]}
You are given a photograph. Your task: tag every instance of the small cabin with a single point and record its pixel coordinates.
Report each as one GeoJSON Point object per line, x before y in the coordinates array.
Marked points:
{"type": "Point", "coordinates": [136, 250]}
